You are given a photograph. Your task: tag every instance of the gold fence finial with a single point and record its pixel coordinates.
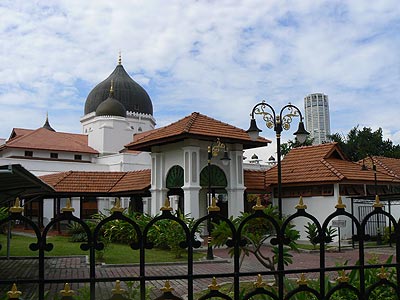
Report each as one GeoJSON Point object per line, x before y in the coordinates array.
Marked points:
{"type": "Point", "coordinates": [301, 204]}
{"type": "Point", "coordinates": [67, 292]}
{"type": "Point", "coordinates": [14, 293]}
{"type": "Point", "coordinates": [340, 203]}
{"type": "Point", "coordinates": [117, 290]}
{"type": "Point", "coordinates": [302, 280]}
{"type": "Point", "coordinates": [117, 206]}
{"type": "Point", "coordinates": [167, 205]}
{"type": "Point", "coordinates": [382, 273]}
{"type": "Point", "coordinates": [258, 205]}
{"type": "Point", "coordinates": [17, 207]}
{"type": "Point", "coordinates": [214, 206]}
{"type": "Point", "coordinates": [377, 202]}
{"type": "Point", "coordinates": [259, 283]}
{"type": "Point", "coordinates": [214, 286]}
{"type": "Point", "coordinates": [68, 206]}
{"type": "Point", "coordinates": [167, 287]}
{"type": "Point", "coordinates": [343, 278]}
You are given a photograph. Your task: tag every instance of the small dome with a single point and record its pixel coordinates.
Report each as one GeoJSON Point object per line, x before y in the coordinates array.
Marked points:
{"type": "Point", "coordinates": [111, 107]}
{"type": "Point", "coordinates": [133, 97]}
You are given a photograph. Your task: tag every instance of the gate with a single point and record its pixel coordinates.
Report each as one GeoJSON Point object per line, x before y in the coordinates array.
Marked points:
{"type": "Point", "coordinates": [359, 281]}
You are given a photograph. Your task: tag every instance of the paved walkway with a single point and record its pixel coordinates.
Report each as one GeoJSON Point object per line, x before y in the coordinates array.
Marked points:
{"type": "Point", "coordinates": [77, 267]}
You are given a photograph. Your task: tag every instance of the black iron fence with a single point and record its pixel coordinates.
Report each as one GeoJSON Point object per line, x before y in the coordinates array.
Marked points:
{"type": "Point", "coordinates": [357, 281]}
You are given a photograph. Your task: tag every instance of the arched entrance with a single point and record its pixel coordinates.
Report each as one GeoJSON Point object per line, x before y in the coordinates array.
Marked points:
{"type": "Point", "coordinates": [174, 183]}
{"type": "Point", "coordinates": [215, 179]}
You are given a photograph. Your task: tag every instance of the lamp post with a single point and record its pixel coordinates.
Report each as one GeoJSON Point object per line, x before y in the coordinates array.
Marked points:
{"type": "Point", "coordinates": [213, 151]}
{"type": "Point", "coordinates": [365, 168]}
{"type": "Point", "coordinates": [278, 122]}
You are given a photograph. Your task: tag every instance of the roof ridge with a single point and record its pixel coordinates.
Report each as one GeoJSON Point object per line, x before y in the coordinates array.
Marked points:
{"type": "Point", "coordinates": [385, 167]}
{"type": "Point", "coordinates": [332, 169]}
{"type": "Point", "coordinates": [192, 118]}
{"type": "Point", "coordinates": [117, 181]}
{"type": "Point", "coordinates": [61, 178]}
{"type": "Point", "coordinates": [10, 141]}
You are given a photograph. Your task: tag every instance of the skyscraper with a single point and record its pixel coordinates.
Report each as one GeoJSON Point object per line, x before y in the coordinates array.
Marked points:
{"type": "Point", "coordinates": [316, 107]}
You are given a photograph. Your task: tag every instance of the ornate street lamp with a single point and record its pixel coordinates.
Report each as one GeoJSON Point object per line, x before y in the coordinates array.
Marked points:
{"type": "Point", "coordinates": [213, 151]}
{"type": "Point", "coordinates": [278, 123]}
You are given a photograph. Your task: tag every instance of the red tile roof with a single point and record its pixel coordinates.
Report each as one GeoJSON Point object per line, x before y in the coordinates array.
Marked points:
{"type": "Point", "coordinates": [196, 126]}
{"type": "Point", "coordinates": [384, 164]}
{"type": "Point", "coordinates": [254, 180]}
{"type": "Point", "coordinates": [98, 182]}
{"type": "Point", "coordinates": [44, 139]}
{"type": "Point", "coordinates": [321, 164]}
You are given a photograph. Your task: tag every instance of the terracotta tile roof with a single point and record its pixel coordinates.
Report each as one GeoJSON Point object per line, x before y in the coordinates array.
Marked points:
{"type": "Point", "coordinates": [44, 139]}
{"type": "Point", "coordinates": [254, 180]}
{"type": "Point", "coordinates": [321, 164]}
{"type": "Point", "coordinates": [387, 165]}
{"type": "Point", "coordinates": [98, 182]}
{"type": "Point", "coordinates": [196, 126]}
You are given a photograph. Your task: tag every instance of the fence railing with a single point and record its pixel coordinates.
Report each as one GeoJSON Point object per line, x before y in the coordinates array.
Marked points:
{"type": "Point", "coordinates": [358, 281]}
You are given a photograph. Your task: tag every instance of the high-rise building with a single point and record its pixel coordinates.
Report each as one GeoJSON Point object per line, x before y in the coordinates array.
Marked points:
{"type": "Point", "coordinates": [316, 107]}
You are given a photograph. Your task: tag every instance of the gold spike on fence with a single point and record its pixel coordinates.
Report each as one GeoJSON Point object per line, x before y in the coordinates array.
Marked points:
{"type": "Point", "coordinates": [68, 207]}
{"type": "Point", "coordinates": [14, 293]}
{"type": "Point", "coordinates": [17, 209]}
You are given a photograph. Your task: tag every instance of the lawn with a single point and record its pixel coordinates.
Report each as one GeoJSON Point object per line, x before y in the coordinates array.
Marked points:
{"type": "Point", "coordinates": [113, 254]}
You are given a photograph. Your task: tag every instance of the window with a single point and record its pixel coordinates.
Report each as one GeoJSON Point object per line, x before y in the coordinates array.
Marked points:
{"type": "Point", "coordinates": [28, 153]}
{"type": "Point", "coordinates": [53, 155]}
{"type": "Point", "coordinates": [78, 157]}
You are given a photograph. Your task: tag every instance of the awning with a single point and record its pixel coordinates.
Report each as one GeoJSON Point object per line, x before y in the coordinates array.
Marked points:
{"type": "Point", "coordinates": [16, 181]}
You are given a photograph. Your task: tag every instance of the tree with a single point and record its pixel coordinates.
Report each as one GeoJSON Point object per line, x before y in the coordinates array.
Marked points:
{"type": "Point", "coordinates": [358, 144]}
{"type": "Point", "coordinates": [286, 147]}
{"type": "Point", "coordinates": [256, 233]}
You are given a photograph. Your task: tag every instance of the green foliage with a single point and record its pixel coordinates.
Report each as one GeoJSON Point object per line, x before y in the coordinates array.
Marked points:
{"type": "Point", "coordinates": [3, 215]}
{"type": "Point", "coordinates": [256, 232]}
{"type": "Point", "coordinates": [312, 233]}
{"type": "Point", "coordinates": [359, 143]}
{"type": "Point", "coordinates": [290, 144]}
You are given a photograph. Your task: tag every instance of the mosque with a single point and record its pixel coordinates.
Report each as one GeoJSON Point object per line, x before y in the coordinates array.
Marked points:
{"type": "Point", "coordinates": [120, 153]}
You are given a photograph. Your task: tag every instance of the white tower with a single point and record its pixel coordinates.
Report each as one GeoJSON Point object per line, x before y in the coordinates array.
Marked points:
{"type": "Point", "coordinates": [316, 107]}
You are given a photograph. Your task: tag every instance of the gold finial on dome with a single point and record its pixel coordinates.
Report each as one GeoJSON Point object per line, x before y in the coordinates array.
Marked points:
{"type": "Point", "coordinates": [117, 290]}
{"type": "Point", "coordinates": [301, 204]}
{"type": "Point", "coordinates": [14, 293]}
{"type": "Point", "coordinates": [214, 206]}
{"type": "Point", "coordinates": [67, 292]}
{"type": "Point", "coordinates": [377, 203]}
{"type": "Point", "coordinates": [68, 207]}
{"type": "Point", "coordinates": [340, 203]}
{"type": "Point", "coordinates": [17, 209]}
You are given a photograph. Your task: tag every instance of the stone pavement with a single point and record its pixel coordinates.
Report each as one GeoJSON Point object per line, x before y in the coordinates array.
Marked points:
{"type": "Point", "coordinates": [77, 267]}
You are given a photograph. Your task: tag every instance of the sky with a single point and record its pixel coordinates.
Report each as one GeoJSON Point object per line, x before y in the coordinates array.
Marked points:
{"type": "Point", "coordinates": [219, 58]}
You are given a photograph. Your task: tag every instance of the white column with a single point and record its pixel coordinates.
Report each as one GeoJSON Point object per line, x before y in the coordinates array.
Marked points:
{"type": "Point", "coordinates": [235, 184]}
{"type": "Point", "coordinates": [191, 186]}
{"type": "Point", "coordinates": [158, 189]}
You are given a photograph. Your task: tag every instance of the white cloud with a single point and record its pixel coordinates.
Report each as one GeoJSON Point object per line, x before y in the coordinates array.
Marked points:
{"type": "Point", "coordinates": [216, 57]}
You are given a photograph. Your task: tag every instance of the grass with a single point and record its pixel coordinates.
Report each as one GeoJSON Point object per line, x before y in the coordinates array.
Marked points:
{"type": "Point", "coordinates": [113, 254]}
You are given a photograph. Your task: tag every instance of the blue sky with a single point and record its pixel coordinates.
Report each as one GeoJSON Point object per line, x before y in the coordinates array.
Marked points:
{"type": "Point", "coordinates": [219, 58]}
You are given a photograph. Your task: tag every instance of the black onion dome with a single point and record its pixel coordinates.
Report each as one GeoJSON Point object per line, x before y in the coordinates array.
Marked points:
{"type": "Point", "coordinates": [111, 107]}
{"type": "Point", "coordinates": [132, 96]}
